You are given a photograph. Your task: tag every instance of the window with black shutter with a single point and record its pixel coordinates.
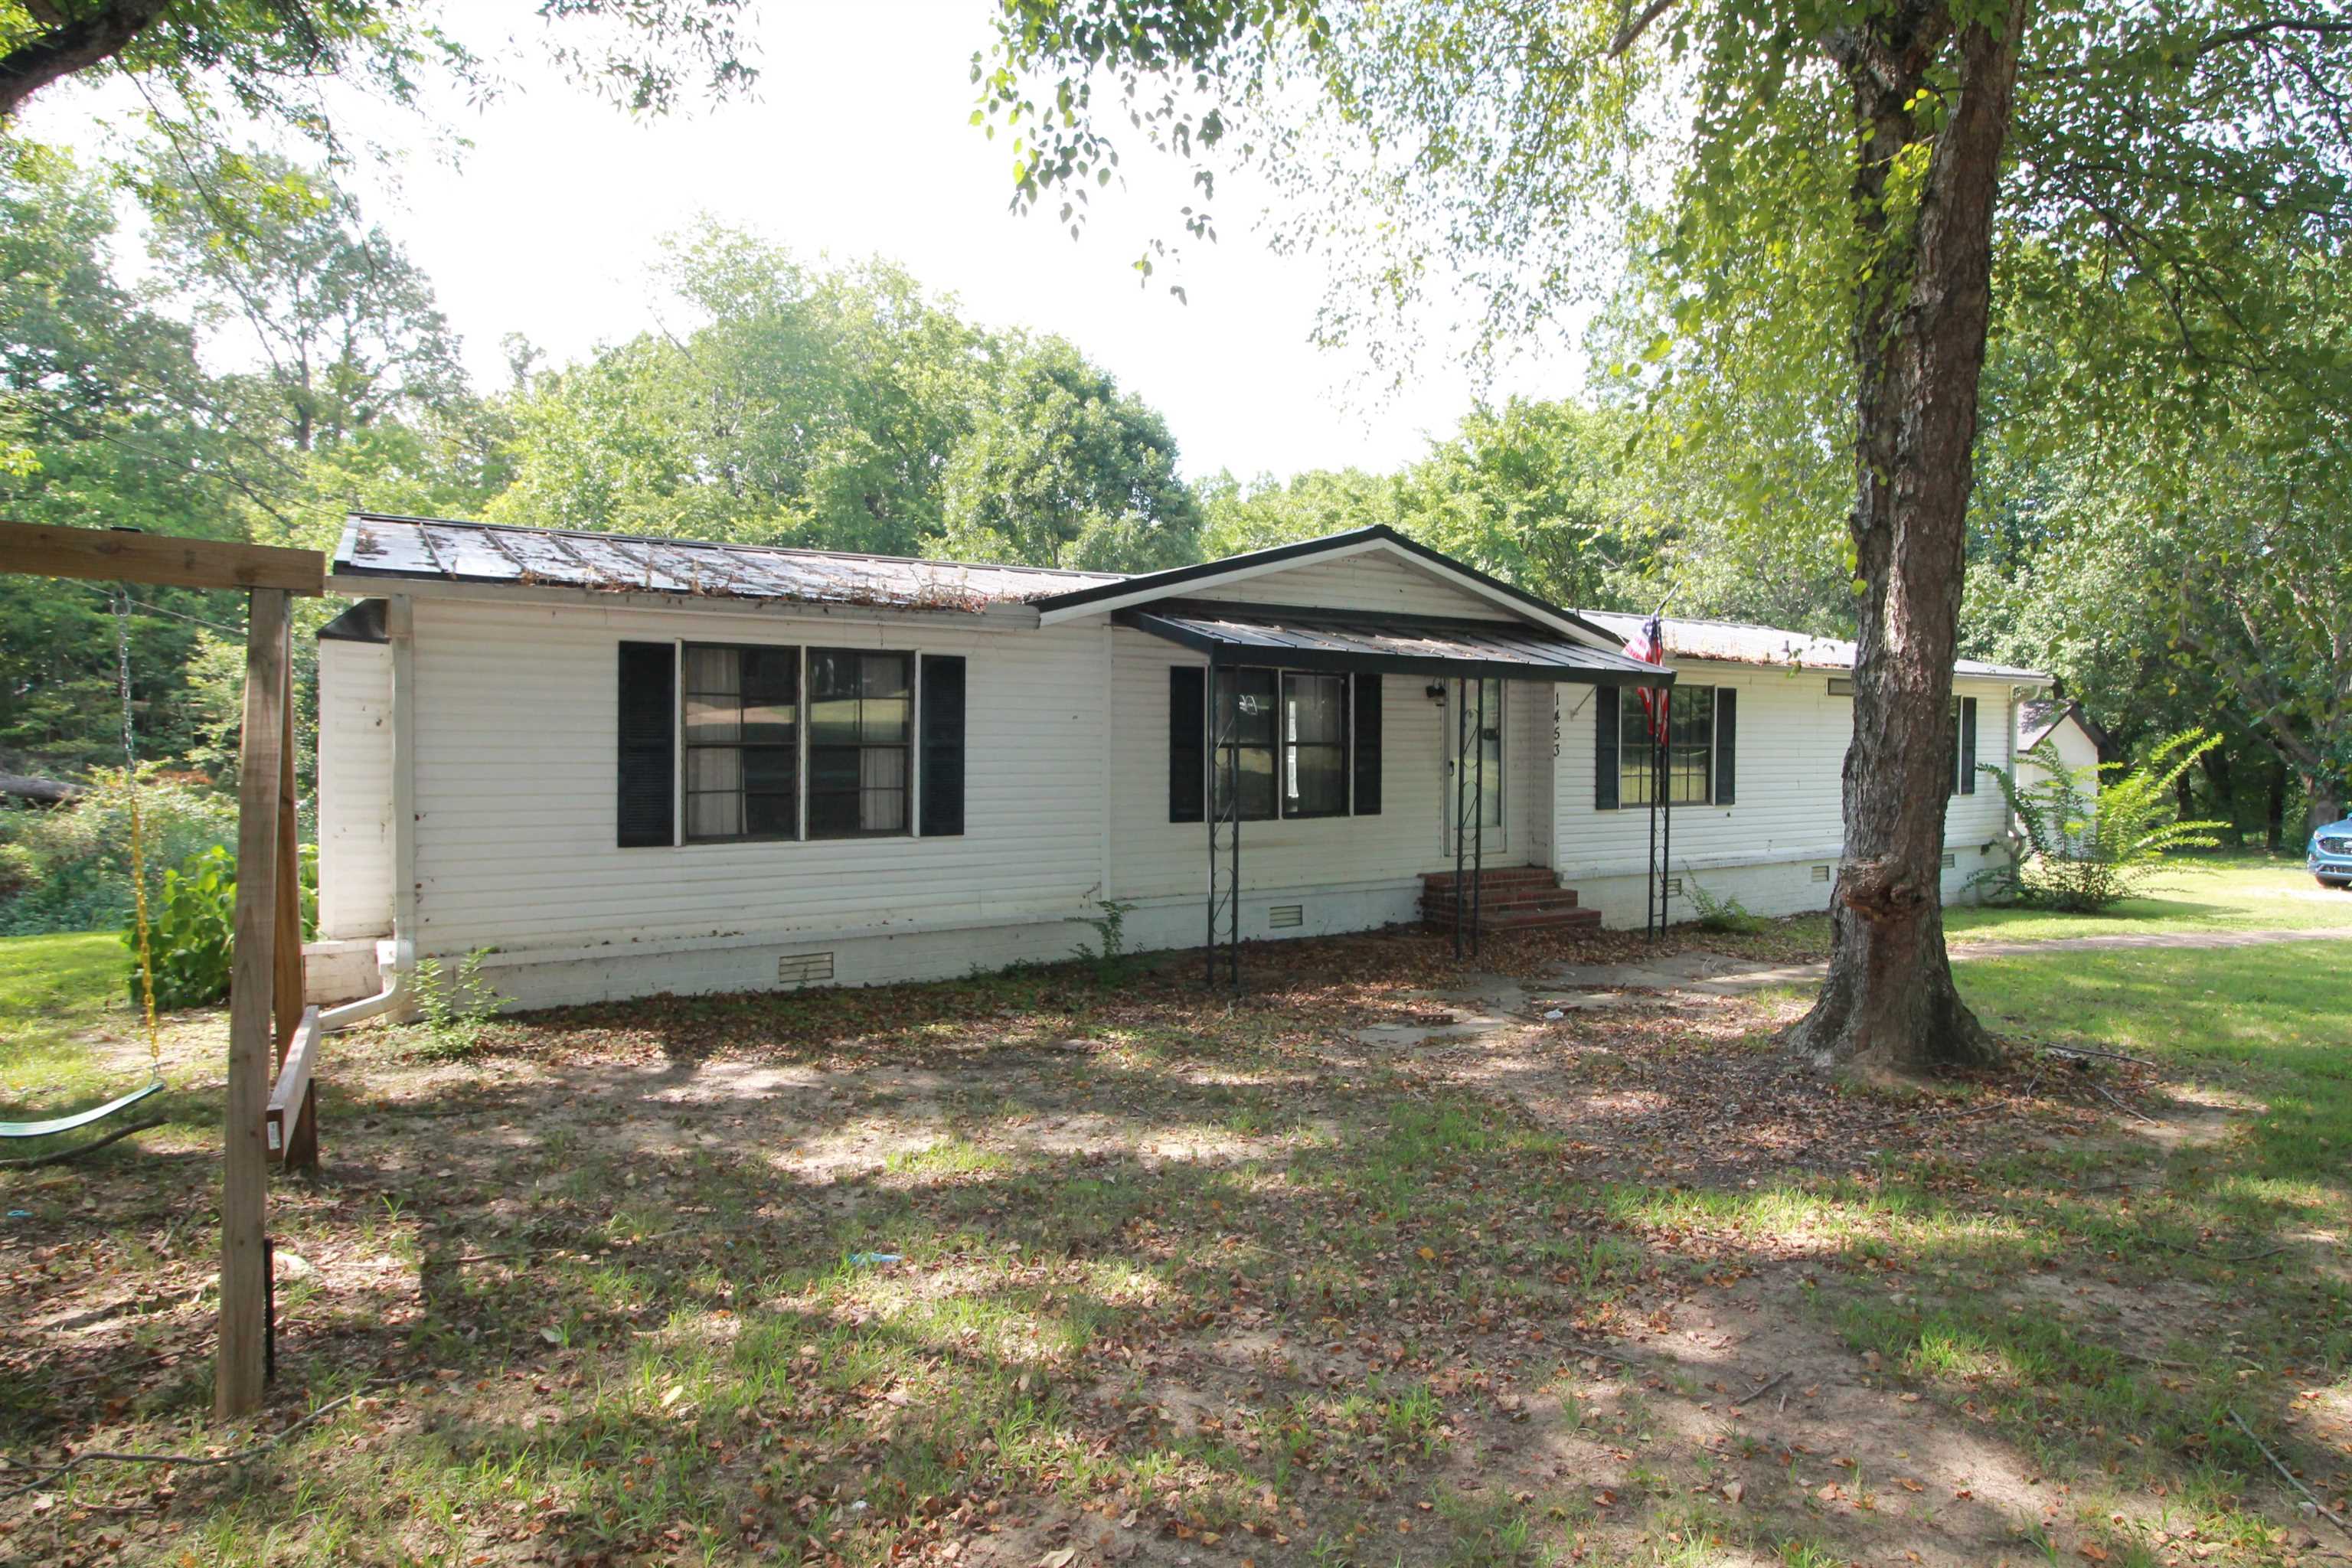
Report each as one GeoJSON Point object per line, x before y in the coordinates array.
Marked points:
{"type": "Point", "coordinates": [1299, 743]}
{"type": "Point", "coordinates": [1726, 744]}
{"type": "Point", "coordinates": [942, 716]}
{"type": "Point", "coordinates": [1690, 745]}
{"type": "Point", "coordinates": [1188, 768]}
{"type": "Point", "coordinates": [785, 744]}
{"type": "Point", "coordinates": [648, 728]}
{"type": "Point", "coordinates": [1606, 702]}
{"type": "Point", "coordinates": [1367, 732]}
{"type": "Point", "coordinates": [1964, 745]}
{"type": "Point", "coordinates": [1968, 745]}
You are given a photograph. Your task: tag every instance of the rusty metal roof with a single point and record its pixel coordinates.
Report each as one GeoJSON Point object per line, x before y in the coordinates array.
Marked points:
{"type": "Point", "coordinates": [435, 550]}
{"type": "Point", "coordinates": [1371, 640]}
{"type": "Point", "coordinates": [1736, 642]}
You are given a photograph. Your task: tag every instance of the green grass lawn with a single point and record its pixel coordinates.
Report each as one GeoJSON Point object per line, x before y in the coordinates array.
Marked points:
{"type": "Point", "coordinates": [2218, 892]}
{"type": "Point", "coordinates": [53, 988]}
{"type": "Point", "coordinates": [2232, 891]}
{"type": "Point", "coordinates": [61, 1001]}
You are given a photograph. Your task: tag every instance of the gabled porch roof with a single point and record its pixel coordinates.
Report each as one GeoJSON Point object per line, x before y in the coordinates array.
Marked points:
{"type": "Point", "coordinates": [1299, 637]}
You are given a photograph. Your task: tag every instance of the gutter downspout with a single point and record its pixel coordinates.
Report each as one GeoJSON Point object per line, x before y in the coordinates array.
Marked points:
{"type": "Point", "coordinates": [395, 959]}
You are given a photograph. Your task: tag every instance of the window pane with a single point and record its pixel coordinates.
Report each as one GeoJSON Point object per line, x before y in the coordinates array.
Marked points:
{"type": "Point", "coordinates": [1257, 769]}
{"type": "Point", "coordinates": [713, 768]}
{"type": "Point", "coordinates": [833, 769]}
{"type": "Point", "coordinates": [713, 695]}
{"type": "Point", "coordinates": [1316, 782]}
{"type": "Point", "coordinates": [833, 698]}
{"type": "Point", "coordinates": [771, 816]}
{"type": "Point", "coordinates": [1314, 708]}
{"type": "Point", "coordinates": [714, 670]}
{"type": "Point", "coordinates": [882, 790]}
{"type": "Point", "coordinates": [889, 698]}
{"type": "Point", "coordinates": [711, 720]}
{"type": "Point", "coordinates": [833, 816]}
{"type": "Point", "coordinates": [1246, 707]}
{"type": "Point", "coordinates": [772, 678]}
{"type": "Point", "coordinates": [714, 816]}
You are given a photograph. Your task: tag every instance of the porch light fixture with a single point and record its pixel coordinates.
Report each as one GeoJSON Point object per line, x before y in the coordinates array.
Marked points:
{"type": "Point", "coordinates": [1437, 692]}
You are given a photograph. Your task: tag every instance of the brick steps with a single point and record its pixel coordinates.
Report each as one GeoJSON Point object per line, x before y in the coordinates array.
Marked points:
{"type": "Point", "coordinates": [1511, 897]}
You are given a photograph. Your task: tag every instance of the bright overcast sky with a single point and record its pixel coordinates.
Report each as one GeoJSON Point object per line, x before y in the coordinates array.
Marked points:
{"type": "Point", "coordinates": [860, 143]}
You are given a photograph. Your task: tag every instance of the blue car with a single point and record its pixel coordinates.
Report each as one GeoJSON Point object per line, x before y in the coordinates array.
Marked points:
{"type": "Point", "coordinates": [2330, 855]}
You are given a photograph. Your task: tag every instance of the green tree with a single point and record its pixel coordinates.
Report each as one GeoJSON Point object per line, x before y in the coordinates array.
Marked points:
{"type": "Point", "coordinates": [105, 407]}
{"type": "Point", "coordinates": [1537, 492]}
{"type": "Point", "coordinates": [195, 60]}
{"type": "Point", "coordinates": [278, 258]}
{"type": "Point", "coordinates": [1824, 183]}
{"type": "Point", "coordinates": [805, 406]}
{"type": "Point", "coordinates": [845, 408]}
{"type": "Point", "coordinates": [1267, 512]}
{"type": "Point", "coordinates": [1062, 468]}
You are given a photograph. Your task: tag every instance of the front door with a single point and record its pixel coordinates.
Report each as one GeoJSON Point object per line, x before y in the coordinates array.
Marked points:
{"type": "Point", "coordinates": [1461, 728]}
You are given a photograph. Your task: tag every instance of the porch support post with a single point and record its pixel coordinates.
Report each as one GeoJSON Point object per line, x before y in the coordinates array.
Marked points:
{"type": "Point", "coordinates": [1666, 805]}
{"type": "Point", "coordinates": [1478, 824]}
{"type": "Point", "coordinates": [1655, 883]}
{"type": "Point", "coordinates": [1233, 848]}
{"type": "Point", "coordinates": [1460, 778]}
{"type": "Point", "coordinates": [1209, 821]}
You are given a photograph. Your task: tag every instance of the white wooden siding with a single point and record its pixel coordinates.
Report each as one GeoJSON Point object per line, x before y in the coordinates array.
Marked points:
{"type": "Point", "coordinates": [516, 750]}
{"type": "Point", "coordinates": [1789, 812]}
{"type": "Point", "coordinates": [1373, 580]}
{"type": "Point", "coordinates": [354, 790]}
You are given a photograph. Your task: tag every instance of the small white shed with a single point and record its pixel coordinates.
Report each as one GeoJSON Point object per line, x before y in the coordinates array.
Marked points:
{"type": "Point", "coordinates": [2078, 740]}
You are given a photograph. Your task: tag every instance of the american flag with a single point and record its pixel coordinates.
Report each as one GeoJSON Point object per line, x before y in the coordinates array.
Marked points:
{"type": "Point", "coordinates": [1649, 645]}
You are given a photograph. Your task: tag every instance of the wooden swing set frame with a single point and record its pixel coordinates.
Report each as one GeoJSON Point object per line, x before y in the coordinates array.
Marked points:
{"type": "Point", "coordinates": [266, 981]}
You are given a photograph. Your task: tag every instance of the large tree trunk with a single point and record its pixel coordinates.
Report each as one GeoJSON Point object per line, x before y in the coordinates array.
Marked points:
{"type": "Point", "coordinates": [1919, 349]}
{"type": "Point", "coordinates": [2323, 803]}
{"type": "Point", "coordinates": [2215, 764]}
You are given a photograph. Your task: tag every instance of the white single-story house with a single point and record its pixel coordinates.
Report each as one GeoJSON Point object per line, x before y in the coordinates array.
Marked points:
{"type": "Point", "coordinates": [2071, 729]}
{"type": "Point", "coordinates": [627, 765]}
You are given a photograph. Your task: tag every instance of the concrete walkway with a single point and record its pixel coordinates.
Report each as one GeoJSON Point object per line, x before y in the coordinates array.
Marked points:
{"type": "Point", "coordinates": [1715, 975]}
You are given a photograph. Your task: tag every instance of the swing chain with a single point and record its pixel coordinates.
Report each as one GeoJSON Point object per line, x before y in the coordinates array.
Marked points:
{"type": "Point", "coordinates": [138, 832]}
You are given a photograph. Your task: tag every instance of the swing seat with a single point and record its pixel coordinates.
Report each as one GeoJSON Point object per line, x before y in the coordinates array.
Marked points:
{"type": "Point", "coordinates": [79, 1117]}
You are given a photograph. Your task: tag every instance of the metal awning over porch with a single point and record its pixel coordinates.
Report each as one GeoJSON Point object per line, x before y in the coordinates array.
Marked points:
{"type": "Point", "coordinates": [1339, 641]}
{"type": "Point", "coordinates": [1299, 637]}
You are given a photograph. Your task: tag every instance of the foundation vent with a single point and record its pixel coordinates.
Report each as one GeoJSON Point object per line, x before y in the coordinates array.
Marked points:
{"type": "Point", "coordinates": [804, 969]}
{"type": "Point", "coordinates": [1820, 873]}
{"type": "Point", "coordinates": [1285, 917]}
{"type": "Point", "coordinates": [1674, 886]}
{"type": "Point", "coordinates": [1950, 859]}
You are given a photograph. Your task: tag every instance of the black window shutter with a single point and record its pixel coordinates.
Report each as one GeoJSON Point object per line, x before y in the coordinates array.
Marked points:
{"type": "Point", "coordinates": [1968, 745]}
{"type": "Point", "coordinates": [1604, 748]}
{"type": "Point", "coordinates": [942, 777]}
{"type": "Point", "coordinates": [1368, 744]}
{"type": "Point", "coordinates": [1726, 744]}
{"type": "Point", "coordinates": [1188, 721]}
{"type": "Point", "coordinates": [648, 728]}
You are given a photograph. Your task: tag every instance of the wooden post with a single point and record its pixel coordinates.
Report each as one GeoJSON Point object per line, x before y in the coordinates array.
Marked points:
{"type": "Point", "coordinates": [244, 1169]}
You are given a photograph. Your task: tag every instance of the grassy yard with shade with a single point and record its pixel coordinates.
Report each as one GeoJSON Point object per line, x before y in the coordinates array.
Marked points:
{"type": "Point", "coordinates": [1051, 1270]}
